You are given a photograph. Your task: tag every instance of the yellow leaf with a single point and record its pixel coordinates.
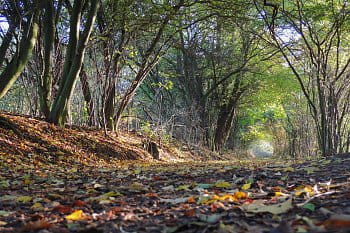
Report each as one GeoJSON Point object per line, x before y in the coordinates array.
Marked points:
{"type": "Point", "coordinates": [2, 223]}
{"type": "Point", "coordinates": [183, 187]}
{"type": "Point", "coordinates": [279, 194]}
{"type": "Point", "coordinates": [112, 194]}
{"type": "Point", "coordinates": [76, 215]}
{"type": "Point", "coordinates": [240, 195]}
{"type": "Point", "coordinates": [246, 186]}
{"type": "Point", "coordinates": [137, 171]}
{"type": "Point", "coordinates": [24, 199]}
{"type": "Point", "coordinates": [27, 181]}
{"type": "Point", "coordinates": [228, 197]}
{"type": "Point", "coordinates": [37, 206]}
{"type": "Point", "coordinates": [288, 169]}
{"type": "Point", "coordinates": [222, 184]}
{"type": "Point", "coordinates": [304, 189]}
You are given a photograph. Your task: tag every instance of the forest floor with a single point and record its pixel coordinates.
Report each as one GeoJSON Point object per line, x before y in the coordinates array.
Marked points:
{"type": "Point", "coordinates": [79, 180]}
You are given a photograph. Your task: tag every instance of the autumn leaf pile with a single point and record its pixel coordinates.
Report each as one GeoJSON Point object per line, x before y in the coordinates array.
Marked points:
{"type": "Point", "coordinates": [46, 194]}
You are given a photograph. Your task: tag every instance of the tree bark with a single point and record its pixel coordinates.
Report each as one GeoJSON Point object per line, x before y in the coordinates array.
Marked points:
{"type": "Point", "coordinates": [13, 70]}
{"type": "Point", "coordinates": [87, 97]}
{"type": "Point", "coordinates": [46, 78]}
{"type": "Point", "coordinates": [74, 59]}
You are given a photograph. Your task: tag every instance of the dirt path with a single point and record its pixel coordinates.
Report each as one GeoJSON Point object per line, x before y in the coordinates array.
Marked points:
{"type": "Point", "coordinates": [251, 196]}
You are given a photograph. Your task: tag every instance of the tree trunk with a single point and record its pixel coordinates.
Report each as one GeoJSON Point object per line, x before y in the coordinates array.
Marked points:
{"type": "Point", "coordinates": [87, 97]}
{"type": "Point", "coordinates": [141, 75]}
{"type": "Point", "coordinates": [46, 78]}
{"type": "Point", "coordinates": [12, 71]}
{"type": "Point", "coordinates": [224, 124]}
{"type": "Point", "coordinates": [109, 106]}
{"type": "Point", "coordinates": [73, 62]}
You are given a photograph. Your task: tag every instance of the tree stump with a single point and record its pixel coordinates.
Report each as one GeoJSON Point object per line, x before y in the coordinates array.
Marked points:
{"type": "Point", "coordinates": [152, 148]}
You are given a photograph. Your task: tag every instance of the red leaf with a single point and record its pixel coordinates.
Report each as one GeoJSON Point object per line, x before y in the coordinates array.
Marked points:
{"type": "Point", "coordinates": [190, 213]}
{"type": "Point", "coordinates": [79, 203]}
{"type": "Point", "coordinates": [62, 209]}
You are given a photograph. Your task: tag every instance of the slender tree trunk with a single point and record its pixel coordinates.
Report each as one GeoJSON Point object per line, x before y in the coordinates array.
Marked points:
{"type": "Point", "coordinates": [72, 66]}
{"type": "Point", "coordinates": [109, 106]}
{"type": "Point", "coordinates": [141, 75]}
{"type": "Point", "coordinates": [87, 97]}
{"type": "Point", "coordinates": [12, 71]}
{"type": "Point", "coordinates": [46, 78]}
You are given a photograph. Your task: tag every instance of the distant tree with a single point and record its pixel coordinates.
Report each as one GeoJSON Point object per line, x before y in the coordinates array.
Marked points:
{"type": "Point", "coordinates": [316, 51]}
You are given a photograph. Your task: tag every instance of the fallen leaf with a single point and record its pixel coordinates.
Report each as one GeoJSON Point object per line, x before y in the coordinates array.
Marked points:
{"type": "Point", "coordinates": [151, 195]}
{"type": "Point", "coordinates": [240, 195]}
{"type": "Point", "coordinates": [273, 209]}
{"type": "Point", "coordinates": [222, 184]}
{"type": "Point", "coordinates": [190, 213]}
{"type": "Point", "coordinates": [79, 203]}
{"type": "Point", "coordinates": [36, 226]}
{"type": "Point", "coordinates": [337, 221]}
{"type": "Point", "coordinates": [4, 213]}
{"type": "Point", "coordinates": [37, 206]}
{"type": "Point", "coordinates": [309, 206]}
{"type": "Point", "coordinates": [24, 199]}
{"type": "Point", "coordinates": [76, 215]}
{"type": "Point", "coordinates": [4, 184]}
{"type": "Point", "coordinates": [183, 187]}
{"type": "Point", "coordinates": [191, 200]}
{"type": "Point", "coordinates": [175, 201]}
{"type": "Point", "coordinates": [62, 209]}
{"type": "Point", "coordinates": [304, 190]}
{"type": "Point", "coordinates": [204, 186]}
{"type": "Point", "coordinates": [246, 186]}
{"type": "Point", "coordinates": [3, 223]}
{"type": "Point", "coordinates": [213, 218]}
{"type": "Point", "coordinates": [288, 169]}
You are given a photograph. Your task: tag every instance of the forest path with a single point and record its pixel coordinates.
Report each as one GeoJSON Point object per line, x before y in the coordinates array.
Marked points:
{"type": "Point", "coordinates": [223, 197]}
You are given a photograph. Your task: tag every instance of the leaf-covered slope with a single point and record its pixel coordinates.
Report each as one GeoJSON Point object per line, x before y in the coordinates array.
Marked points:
{"type": "Point", "coordinates": [24, 140]}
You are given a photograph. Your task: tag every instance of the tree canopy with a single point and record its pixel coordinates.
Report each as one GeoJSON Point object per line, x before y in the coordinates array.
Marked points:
{"type": "Point", "coordinates": [216, 73]}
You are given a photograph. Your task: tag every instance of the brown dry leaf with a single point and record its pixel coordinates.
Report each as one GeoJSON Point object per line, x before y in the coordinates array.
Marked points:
{"type": "Point", "coordinates": [273, 209]}
{"type": "Point", "coordinates": [341, 221]}
{"type": "Point", "coordinates": [190, 213]}
{"type": "Point", "coordinates": [62, 209]}
{"type": "Point", "coordinates": [36, 226]}
{"type": "Point", "coordinates": [79, 203]}
{"type": "Point", "coordinates": [151, 195]}
{"type": "Point", "coordinates": [191, 200]}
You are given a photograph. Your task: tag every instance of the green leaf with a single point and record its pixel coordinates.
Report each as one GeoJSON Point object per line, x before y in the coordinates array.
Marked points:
{"type": "Point", "coordinates": [222, 184]}
{"type": "Point", "coordinates": [183, 187]}
{"type": "Point", "coordinates": [309, 206]}
{"type": "Point", "coordinates": [4, 213]}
